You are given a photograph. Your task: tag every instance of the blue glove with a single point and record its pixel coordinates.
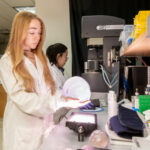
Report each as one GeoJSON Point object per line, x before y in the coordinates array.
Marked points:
{"type": "Point", "coordinates": [88, 106]}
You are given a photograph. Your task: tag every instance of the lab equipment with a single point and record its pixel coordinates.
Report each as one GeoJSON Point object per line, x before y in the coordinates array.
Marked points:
{"type": "Point", "coordinates": [136, 99]}
{"type": "Point", "coordinates": [146, 91]}
{"type": "Point", "coordinates": [136, 77]}
{"type": "Point", "coordinates": [82, 123]}
{"type": "Point", "coordinates": [125, 37]}
{"type": "Point", "coordinates": [102, 67]}
{"type": "Point", "coordinates": [105, 69]}
{"type": "Point", "coordinates": [112, 104]}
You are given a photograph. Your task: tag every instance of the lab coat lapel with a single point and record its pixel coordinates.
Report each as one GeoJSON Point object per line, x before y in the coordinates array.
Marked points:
{"type": "Point", "coordinates": [43, 87]}
{"type": "Point", "coordinates": [31, 68]}
{"type": "Point", "coordinates": [37, 74]}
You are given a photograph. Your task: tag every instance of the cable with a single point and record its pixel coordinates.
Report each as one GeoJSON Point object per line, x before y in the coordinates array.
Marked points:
{"type": "Point", "coordinates": [142, 60]}
{"type": "Point", "coordinates": [114, 83]}
{"type": "Point", "coordinates": [104, 72]}
{"type": "Point", "coordinates": [115, 76]}
{"type": "Point", "coordinates": [106, 79]}
{"type": "Point", "coordinates": [125, 83]}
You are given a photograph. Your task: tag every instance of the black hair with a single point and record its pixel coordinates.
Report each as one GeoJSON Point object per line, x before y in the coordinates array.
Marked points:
{"type": "Point", "coordinates": [53, 50]}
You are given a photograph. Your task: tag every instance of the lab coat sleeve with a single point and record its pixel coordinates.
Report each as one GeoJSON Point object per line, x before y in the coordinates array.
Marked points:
{"type": "Point", "coordinates": [59, 102]}
{"type": "Point", "coordinates": [30, 103]}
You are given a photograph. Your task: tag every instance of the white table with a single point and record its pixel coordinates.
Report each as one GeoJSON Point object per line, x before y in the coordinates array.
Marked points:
{"type": "Point", "coordinates": [62, 137]}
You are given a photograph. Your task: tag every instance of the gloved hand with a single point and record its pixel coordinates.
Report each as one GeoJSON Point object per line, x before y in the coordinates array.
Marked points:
{"type": "Point", "coordinates": [93, 103]}
{"type": "Point", "coordinates": [88, 106]}
{"type": "Point", "coordinates": [59, 114]}
{"type": "Point", "coordinates": [96, 102]}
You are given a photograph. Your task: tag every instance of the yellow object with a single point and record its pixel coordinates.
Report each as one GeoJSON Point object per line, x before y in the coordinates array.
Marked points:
{"type": "Point", "coordinates": [140, 23]}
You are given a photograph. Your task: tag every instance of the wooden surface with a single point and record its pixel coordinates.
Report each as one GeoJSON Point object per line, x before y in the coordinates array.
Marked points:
{"type": "Point", "coordinates": [3, 97]}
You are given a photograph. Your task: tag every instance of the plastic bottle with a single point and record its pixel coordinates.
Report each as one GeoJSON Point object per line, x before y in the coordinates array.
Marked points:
{"type": "Point", "coordinates": [136, 99]}
{"type": "Point", "coordinates": [146, 91]}
{"type": "Point", "coordinates": [112, 104]}
{"type": "Point", "coordinates": [148, 88]}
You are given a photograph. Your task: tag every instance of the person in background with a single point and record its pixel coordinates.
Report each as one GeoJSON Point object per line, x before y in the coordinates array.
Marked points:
{"type": "Point", "coordinates": [31, 95]}
{"type": "Point", "coordinates": [57, 55]}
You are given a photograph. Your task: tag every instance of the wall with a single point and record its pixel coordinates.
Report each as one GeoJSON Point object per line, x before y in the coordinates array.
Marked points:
{"type": "Point", "coordinates": [55, 14]}
{"type": "Point", "coordinates": [3, 43]}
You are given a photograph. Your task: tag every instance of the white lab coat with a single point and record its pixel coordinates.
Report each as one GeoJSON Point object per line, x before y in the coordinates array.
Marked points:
{"type": "Point", "coordinates": [24, 120]}
{"type": "Point", "coordinates": [58, 76]}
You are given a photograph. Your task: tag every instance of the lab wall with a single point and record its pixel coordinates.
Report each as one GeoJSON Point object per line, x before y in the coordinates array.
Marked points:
{"type": "Point", "coordinates": [55, 14]}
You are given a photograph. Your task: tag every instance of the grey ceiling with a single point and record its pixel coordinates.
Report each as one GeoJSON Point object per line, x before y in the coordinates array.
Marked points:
{"type": "Point", "coordinates": [7, 13]}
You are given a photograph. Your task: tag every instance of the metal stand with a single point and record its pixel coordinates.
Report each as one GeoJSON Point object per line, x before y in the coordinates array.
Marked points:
{"type": "Point", "coordinates": [81, 133]}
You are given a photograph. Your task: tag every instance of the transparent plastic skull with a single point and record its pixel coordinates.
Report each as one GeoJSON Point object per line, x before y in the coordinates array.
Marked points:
{"type": "Point", "coordinates": [77, 87]}
{"type": "Point", "coordinates": [99, 139]}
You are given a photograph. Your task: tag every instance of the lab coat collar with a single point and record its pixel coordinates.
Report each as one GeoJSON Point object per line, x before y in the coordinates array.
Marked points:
{"type": "Point", "coordinates": [37, 73]}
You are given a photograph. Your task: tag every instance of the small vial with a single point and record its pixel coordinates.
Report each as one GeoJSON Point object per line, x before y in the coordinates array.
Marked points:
{"type": "Point", "coordinates": [136, 92]}
{"type": "Point", "coordinates": [148, 88]}
{"type": "Point", "coordinates": [136, 99]}
{"type": "Point", "coordinates": [146, 91]}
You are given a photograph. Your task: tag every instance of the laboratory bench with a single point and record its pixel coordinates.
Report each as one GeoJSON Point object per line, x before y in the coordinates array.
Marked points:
{"type": "Point", "coordinates": [61, 137]}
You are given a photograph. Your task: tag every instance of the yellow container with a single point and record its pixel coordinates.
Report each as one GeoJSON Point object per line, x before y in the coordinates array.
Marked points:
{"type": "Point", "coordinates": [140, 22]}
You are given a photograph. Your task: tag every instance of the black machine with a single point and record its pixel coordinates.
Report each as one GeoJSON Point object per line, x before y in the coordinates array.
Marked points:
{"type": "Point", "coordinates": [102, 66]}
{"type": "Point", "coordinates": [104, 69]}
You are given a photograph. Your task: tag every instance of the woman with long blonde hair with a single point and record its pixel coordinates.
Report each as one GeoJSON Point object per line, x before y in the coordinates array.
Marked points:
{"type": "Point", "coordinates": [26, 78]}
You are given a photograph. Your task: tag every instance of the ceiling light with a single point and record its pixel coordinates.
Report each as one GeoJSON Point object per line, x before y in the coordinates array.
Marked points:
{"type": "Point", "coordinates": [29, 9]}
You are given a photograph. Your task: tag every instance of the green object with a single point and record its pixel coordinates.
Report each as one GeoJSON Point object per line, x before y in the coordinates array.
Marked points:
{"type": "Point", "coordinates": [144, 103]}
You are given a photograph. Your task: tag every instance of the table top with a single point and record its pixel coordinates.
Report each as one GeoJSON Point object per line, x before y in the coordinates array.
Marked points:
{"type": "Point", "coordinates": [63, 138]}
